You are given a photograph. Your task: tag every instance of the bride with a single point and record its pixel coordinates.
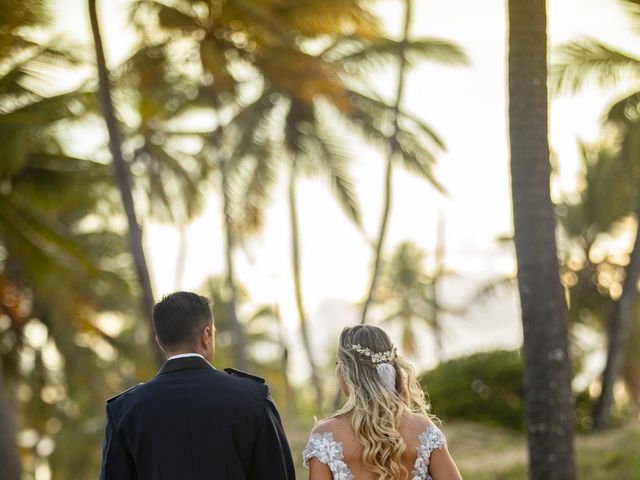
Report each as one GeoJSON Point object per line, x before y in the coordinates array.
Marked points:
{"type": "Point", "coordinates": [384, 431]}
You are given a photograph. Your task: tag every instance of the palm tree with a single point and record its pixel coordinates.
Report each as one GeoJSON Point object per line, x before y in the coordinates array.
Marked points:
{"type": "Point", "coordinates": [578, 62]}
{"type": "Point", "coordinates": [260, 328]}
{"type": "Point", "coordinates": [270, 43]}
{"type": "Point", "coordinates": [606, 201]}
{"type": "Point", "coordinates": [408, 294]}
{"type": "Point", "coordinates": [122, 176]}
{"type": "Point", "coordinates": [8, 450]}
{"type": "Point", "coordinates": [56, 272]}
{"type": "Point", "coordinates": [449, 54]}
{"type": "Point", "coordinates": [302, 92]}
{"type": "Point", "coordinates": [547, 367]}
{"type": "Point", "coordinates": [26, 116]}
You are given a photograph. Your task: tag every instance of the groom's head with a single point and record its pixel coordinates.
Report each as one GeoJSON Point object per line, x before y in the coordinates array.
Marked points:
{"type": "Point", "coordinates": [183, 323]}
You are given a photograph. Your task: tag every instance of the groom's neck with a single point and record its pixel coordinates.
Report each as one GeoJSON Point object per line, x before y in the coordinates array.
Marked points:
{"type": "Point", "coordinates": [184, 351]}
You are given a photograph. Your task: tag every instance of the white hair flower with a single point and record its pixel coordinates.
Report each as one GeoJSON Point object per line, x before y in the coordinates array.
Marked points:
{"type": "Point", "coordinates": [376, 357]}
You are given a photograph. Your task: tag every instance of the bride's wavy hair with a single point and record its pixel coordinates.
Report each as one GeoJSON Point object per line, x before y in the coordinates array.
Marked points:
{"type": "Point", "coordinates": [376, 410]}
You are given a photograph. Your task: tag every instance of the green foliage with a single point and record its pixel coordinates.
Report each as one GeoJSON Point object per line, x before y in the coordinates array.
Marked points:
{"type": "Point", "coordinates": [483, 387]}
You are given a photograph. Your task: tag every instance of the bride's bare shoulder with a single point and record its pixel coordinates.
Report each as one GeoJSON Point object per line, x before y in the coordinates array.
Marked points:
{"type": "Point", "coordinates": [415, 422]}
{"type": "Point", "coordinates": [337, 424]}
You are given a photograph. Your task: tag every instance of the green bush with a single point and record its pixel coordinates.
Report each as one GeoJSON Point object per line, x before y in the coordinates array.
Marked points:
{"type": "Point", "coordinates": [484, 387]}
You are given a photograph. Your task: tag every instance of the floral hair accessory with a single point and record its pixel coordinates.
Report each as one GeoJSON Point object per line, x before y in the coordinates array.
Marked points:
{"type": "Point", "coordinates": [376, 357]}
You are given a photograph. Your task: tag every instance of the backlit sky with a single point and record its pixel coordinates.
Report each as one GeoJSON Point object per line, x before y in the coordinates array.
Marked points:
{"type": "Point", "coordinates": [467, 106]}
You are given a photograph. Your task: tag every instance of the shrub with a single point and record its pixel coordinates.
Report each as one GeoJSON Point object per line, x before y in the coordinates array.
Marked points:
{"type": "Point", "coordinates": [484, 387]}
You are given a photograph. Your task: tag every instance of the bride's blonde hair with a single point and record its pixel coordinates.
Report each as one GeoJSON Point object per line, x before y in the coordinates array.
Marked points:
{"type": "Point", "coordinates": [375, 409]}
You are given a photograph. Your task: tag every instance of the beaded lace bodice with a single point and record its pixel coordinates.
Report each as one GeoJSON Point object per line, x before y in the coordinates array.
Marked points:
{"type": "Point", "coordinates": [329, 451]}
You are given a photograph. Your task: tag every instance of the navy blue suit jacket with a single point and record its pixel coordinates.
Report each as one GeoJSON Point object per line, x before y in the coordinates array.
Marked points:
{"type": "Point", "coordinates": [193, 422]}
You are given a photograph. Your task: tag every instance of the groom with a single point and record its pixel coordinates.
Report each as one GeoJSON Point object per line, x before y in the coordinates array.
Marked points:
{"type": "Point", "coordinates": [191, 421]}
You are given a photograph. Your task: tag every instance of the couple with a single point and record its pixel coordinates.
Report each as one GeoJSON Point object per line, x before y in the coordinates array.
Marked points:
{"type": "Point", "coordinates": [193, 422]}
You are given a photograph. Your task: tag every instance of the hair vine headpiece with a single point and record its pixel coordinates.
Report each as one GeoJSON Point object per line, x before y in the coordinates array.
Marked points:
{"type": "Point", "coordinates": [376, 357]}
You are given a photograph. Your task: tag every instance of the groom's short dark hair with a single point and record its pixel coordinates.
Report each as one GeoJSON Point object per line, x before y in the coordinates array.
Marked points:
{"type": "Point", "coordinates": [179, 318]}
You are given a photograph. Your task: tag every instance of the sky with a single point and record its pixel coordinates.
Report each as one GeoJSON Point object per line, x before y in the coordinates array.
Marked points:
{"type": "Point", "coordinates": [467, 107]}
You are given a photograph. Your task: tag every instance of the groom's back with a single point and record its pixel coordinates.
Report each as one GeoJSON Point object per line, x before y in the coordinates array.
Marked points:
{"type": "Point", "coordinates": [194, 422]}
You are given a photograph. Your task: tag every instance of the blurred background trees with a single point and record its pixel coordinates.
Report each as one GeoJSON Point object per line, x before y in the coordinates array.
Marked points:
{"type": "Point", "coordinates": [242, 102]}
{"type": "Point", "coordinates": [579, 62]}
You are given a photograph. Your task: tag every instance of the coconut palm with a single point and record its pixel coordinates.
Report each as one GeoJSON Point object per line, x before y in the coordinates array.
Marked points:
{"type": "Point", "coordinates": [444, 52]}
{"type": "Point", "coordinates": [597, 289]}
{"type": "Point", "coordinates": [408, 295]}
{"type": "Point", "coordinates": [61, 264]}
{"type": "Point", "coordinates": [63, 272]}
{"type": "Point", "coordinates": [579, 62]}
{"type": "Point", "coordinates": [122, 176]}
{"type": "Point", "coordinates": [25, 116]}
{"type": "Point", "coordinates": [260, 330]}
{"type": "Point", "coordinates": [547, 367]}
{"type": "Point", "coordinates": [291, 87]}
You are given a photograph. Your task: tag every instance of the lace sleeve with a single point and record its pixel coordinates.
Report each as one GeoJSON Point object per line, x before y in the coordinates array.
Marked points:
{"type": "Point", "coordinates": [432, 439]}
{"type": "Point", "coordinates": [329, 452]}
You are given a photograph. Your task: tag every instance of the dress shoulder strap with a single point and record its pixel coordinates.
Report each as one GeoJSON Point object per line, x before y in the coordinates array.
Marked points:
{"type": "Point", "coordinates": [328, 451]}
{"type": "Point", "coordinates": [431, 439]}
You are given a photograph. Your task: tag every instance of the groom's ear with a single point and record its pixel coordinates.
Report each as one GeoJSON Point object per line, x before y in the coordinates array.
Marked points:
{"type": "Point", "coordinates": [205, 336]}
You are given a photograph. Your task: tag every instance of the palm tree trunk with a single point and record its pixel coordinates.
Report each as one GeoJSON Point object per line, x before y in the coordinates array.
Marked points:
{"type": "Point", "coordinates": [292, 408]}
{"type": "Point", "coordinates": [295, 251]}
{"type": "Point", "coordinates": [240, 343]}
{"type": "Point", "coordinates": [631, 369]}
{"type": "Point", "coordinates": [437, 276]}
{"type": "Point", "coordinates": [547, 367]}
{"type": "Point", "coordinates": [9, 459]}
{"type": "Point", "coordinates": [122, 177]}
{"type": "Point", "coordinates": [377, 259]}
{"type": "Point", "coordinates": [619, 326]}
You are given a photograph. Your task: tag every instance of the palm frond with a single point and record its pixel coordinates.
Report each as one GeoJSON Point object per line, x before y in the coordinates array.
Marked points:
{"type": "Point", "coordinates": [625, 110]}
{"type": "Point", "coordinates": [39, 241]}
{"type": "Point", "coordinates": [379, 108]}
{"type": "Point", "coordinates": [330, 17]}
{"type": "Point", "coordinates": [167, 179]}
{"type": "Point", "coordinates": [633, 8]}
{"type": "Point", "coordinates": [45, 111]}
{"type": "Point", "coordinates": [60, 185]}
{"type": "Point", "coordinates": [257, 191]}
{"type": "Point", "coordinates": [335, 158]}
{"type": "Point", "coordinates": [598, 206]}
{"type": "Point", "coordinates": [169, 17]}
{"type": "Point", "coordinates": [491, 289]}
{"type": "Point", "coordinates": [416, 158]}
{"type": "Point", "coordinates": [586, 59]}
{"type": "Point", "coordinates": [250, 121]}
{"type": "Point", "coordinates": [383, 50]}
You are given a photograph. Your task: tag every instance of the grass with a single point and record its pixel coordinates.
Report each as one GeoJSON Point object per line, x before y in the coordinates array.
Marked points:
{"type": "Point", "coordinates": [602, 456]}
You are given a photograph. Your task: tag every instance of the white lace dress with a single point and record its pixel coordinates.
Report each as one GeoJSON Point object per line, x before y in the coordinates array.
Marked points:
{"type": "Point", "coordinates": [328, 451]}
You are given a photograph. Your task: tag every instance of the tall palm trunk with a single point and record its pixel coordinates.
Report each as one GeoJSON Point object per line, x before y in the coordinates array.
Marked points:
{"type": "Point", "coordinates": [438, 332]}
{"type": "Point", "coordinates": [295, 252]}
{"type": "Point", "coordinates": [122, 176]}
{"type": "Point", "coordinates": [619, 326]}
{"type": "Point", "coordinates": [9, 459]}
{"type": "Point", "coordinates": [384, 222]}
{"type": "Point", "coordinates": [240, 343]}
{"type": "Point", "coordinates": [288, 390]}
{"type": "Point", "coordinates": [547, 367]}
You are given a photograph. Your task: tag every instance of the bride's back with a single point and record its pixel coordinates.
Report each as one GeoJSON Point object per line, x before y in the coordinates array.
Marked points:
{"type": "Point", "coordinates": [342, 431]}
{"type": "Point", "coordinates": [383, 431]}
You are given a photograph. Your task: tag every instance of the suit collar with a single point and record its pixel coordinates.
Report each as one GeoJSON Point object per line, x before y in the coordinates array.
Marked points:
{"type": "Point", "coordinates": [184, 363]}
